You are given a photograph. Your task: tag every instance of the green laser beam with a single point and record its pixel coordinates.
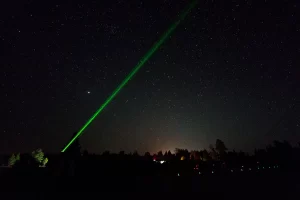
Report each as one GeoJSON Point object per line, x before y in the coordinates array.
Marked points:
{"type": "Point", "coordinates": [144, 59]}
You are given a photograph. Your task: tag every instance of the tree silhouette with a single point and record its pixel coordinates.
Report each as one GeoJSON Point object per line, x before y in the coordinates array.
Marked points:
{"type": "Point", "coordinates": [18, 157]}
{"type": "Point", "coordinates": [165, 154]}
{"type": "Point", "coordinates": [72, 156]}
{"type": "Point", "coordinates": [12, 160]}
{"type": "Point", "coordinates": [195, 155]}
{"type": "Point", "coordinates": [135, 154]}
{"type": "Point", "coordinates": [170, 155]}
{"type": "Point", "coordinates": [45, 161]}
{"type": "Point", "coordinates": [220, 149]}
{"type": "Point", "coordinates": [38, 155]}
{"type": "Point", "coordinates": [160, 155]}
{"type": "Point", "coordinates": [39, 158]}
{"type": "Point", "coordinates": [106, 153]}
{"type": "Point", "coordinates": [147, 154]}
{"type": "Point", "coordinates": [280, 151]}
{"type": "Point", "coordinates": [212, 152]}
{"type": "Point", "coordinates": [182, 154]}
{"type": "Point", "coordinates": [85, 153]}
{"type": "Point", "coordinates": [204, 155]}
{"type": "Point", "coordinates": [121, 153]}
{"type": "Point", "coordinates": [74, 150]}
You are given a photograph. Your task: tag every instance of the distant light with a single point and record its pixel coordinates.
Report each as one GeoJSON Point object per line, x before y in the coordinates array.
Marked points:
{"type": "Point", "coordinates": [162, 161]}
{"type": "Point", "coordinates": [178, 174]}
{"type": "Point", "coordinates": [263, 167]}
{"type": "Point", "coordinates": [269, 167]}
{"type": "Point", "coordinates": [212, 172]}
{"type": "Point", "coordinates": [258, 168]}
{"type": "Point", "coordinates": [199, 172]}
{"type": "Point", "coordinates": [154, 159]}
{"type": "Point", "coordinates": [249, 169]}
{"type": "Point", "coordinates": [89, 92]}
{"type": "Point", "coordinates": [242, 170]}
{"type": "Point", "coordinates": [274, 167]}
{"type": "Point", "coordinates": [231, 170]}
{"type": "Point", "coordinates": [242, 165]}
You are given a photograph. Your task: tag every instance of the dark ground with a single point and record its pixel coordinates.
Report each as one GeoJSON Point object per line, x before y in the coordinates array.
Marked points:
{"type": "Point", "coordinates": [270, 184]}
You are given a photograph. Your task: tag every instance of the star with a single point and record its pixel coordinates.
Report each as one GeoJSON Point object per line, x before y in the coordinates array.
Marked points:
{"type": "Point", "coordinates": [201, 85]}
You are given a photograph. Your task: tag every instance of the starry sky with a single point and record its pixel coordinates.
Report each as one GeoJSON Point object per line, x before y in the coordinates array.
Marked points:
{"type": "Point", "coordinates": [229, 71]}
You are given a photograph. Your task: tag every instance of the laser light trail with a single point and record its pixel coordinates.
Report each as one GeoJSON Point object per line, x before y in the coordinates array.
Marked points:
{"type": "Point", "coordinates": [144, 59]}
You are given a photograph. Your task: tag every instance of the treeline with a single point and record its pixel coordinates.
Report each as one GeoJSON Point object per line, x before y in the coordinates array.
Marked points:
{"type": "Point", "coordinates": [277, 152]}
{"type": "Point", "coordinates": [36, 158]}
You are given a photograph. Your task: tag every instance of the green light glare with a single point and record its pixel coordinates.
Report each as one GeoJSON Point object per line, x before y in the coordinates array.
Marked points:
{"type": "Point", "coordinates": [144, 59]}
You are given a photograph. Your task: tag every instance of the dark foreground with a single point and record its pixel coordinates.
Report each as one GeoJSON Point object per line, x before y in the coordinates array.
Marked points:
{"type": "Point", "coordinates": [247, 185]}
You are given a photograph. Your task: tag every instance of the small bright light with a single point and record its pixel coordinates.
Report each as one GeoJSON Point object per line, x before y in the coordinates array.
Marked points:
{"type": "Point", "coordinates": [231, 170]}
{"type": "Point", "coordinates": [212, 172]}
{"type": "Point", "coordinates": [178, 174]}
{"type": "Point", "coordinates": [242, 165]}
{"type": "Point", "coordinates": [88, 92]}
{"type": "Point", "coordinates": [162, 161]}
{"type": "Point", "coordinates": [242, 170]}
{"type": "Point", "coordinates": [269, 167]}
{"type": "Point", "coordinates": [249, 169]}
{"type": "Point", "coordinates": [199, 172]}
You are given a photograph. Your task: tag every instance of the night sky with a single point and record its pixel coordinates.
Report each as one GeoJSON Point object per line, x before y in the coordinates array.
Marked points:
{"type": "Point", "coordinates": [229, 71]}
